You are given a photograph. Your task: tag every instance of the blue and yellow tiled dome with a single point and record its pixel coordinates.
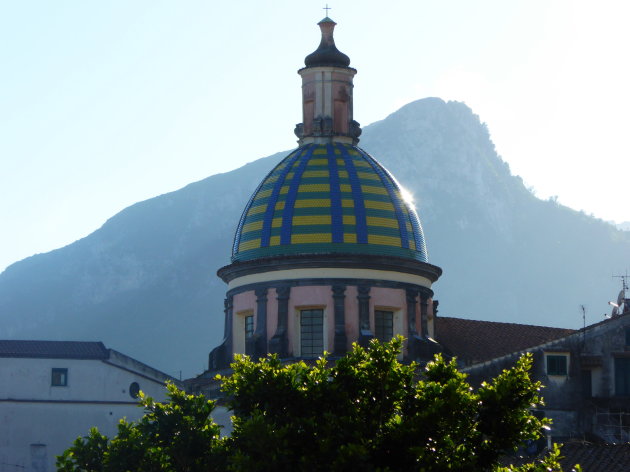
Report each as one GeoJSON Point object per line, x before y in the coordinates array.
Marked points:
{"type": "Point", "coordinates": [328, 198]}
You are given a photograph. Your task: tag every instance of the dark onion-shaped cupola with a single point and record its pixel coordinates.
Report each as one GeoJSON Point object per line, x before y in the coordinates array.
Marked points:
{"type": "Point", "coordinates": [327, 54]}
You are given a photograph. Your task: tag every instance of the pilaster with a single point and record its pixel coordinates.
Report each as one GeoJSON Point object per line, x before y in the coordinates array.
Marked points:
{"type": "Point", "coordinates": [278, 344]}
{"type": "Point", "coordinates": [256, 346]}
{"type": "Point", "coordinates": [363, 296]}
{"type": "Point", "coordinates": [339, 300]}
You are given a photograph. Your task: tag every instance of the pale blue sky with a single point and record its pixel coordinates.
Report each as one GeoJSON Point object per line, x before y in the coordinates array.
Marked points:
{"type": "Point", "coordinates": [103, 104]}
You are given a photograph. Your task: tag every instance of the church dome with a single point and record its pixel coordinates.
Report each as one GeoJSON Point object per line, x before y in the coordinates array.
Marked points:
{"type": "Point", "coordinates": [331, 198]}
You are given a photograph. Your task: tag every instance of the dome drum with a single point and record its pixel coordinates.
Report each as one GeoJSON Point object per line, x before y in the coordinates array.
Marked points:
{"type": "Point", "coordinates": [269, 317]}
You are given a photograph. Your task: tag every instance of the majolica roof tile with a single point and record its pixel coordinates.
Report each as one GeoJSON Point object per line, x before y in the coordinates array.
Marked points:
{"type": "Point", "coordinates": [329, 198]}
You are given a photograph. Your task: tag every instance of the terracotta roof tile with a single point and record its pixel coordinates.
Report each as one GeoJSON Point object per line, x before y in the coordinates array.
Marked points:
{"type": "Point", "coordinates": [53, 349]}
{"type": "Point", "coordinates": [475, 341]}
{"type": "Point", "coordinates": [596, 457]}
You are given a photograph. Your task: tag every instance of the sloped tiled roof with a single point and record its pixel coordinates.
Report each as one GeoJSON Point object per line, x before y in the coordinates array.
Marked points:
{"type": "Point", "coordinates": [596, 457]}
{"type": "Point", "coordinates": [53, 349]}
{"type": "Point", "coordinates": [590, 456]}
{"type": "Point", "coordinates": [475, 341]}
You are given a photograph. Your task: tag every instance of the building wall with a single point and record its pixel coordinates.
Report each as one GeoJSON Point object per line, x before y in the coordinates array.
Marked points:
{"type": "Point", "coordinates": [53, 428]}
{"type": "Point", "coordinates": [39, 421]}
{"type": "Point", "coordinates": [393, 300]}
{"type": "Point", "coordinates": [302, 298]}
{"type": "Point", "coordinates": [93, 380]}
{"type": "Point", "coordinates": [584, 401]}
{"type": "Point", "coordinates": [244, 305]}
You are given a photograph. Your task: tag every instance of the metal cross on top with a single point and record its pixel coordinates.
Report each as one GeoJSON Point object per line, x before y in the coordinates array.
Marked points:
{"type": "Point", "coordinates": [327, 8]}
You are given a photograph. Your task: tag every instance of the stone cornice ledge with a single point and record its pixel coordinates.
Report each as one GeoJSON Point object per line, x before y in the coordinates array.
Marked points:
{"type": "Point", "coordinates": [352, 261]}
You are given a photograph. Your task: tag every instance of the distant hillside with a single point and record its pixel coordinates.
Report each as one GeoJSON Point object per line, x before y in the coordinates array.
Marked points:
{"type": "Point", "coordinates": [625, 226]}
{"type": "Point", "coordinates": [145, 283]}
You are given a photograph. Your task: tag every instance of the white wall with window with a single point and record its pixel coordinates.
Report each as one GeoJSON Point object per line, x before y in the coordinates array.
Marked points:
{"type": "Point", "coordinates": [46, 403]}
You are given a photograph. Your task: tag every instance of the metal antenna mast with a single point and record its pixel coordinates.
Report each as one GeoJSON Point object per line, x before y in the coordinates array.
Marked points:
{"type": "Point", "coordinates": [624, 280]}
{"type": "Point", "coordinates": [621, 299]}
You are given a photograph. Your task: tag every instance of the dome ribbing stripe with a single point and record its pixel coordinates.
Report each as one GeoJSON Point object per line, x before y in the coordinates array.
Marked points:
{"type": "Point", "coordinates": [336, 212]}
{"type": "Point", "coordinates": [391, 187]}
{"type": "Point", "coordinates": [287, 214]}
{"type": "Point", "coordinates": [357, 196]}
{"type": "Point", "coordinates": [241, 222]}
{"type": "Point", "coordinates": [417, 232]}
{"type": "Point", "coordinates": [271, 205]}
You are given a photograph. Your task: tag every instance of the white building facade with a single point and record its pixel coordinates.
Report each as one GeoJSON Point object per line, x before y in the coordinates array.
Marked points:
{"type": "Point", "coordinates": [52, 392]}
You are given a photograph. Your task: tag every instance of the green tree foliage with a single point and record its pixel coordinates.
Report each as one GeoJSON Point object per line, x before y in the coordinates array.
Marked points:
{"type": "Point", "coordinates": [178, 436]}
{"type": "Point", "coordinates": [366, 412]}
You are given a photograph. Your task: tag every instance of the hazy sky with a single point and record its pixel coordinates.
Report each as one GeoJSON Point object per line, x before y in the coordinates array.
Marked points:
{"type": "Point", "coordinates": [105, 103]}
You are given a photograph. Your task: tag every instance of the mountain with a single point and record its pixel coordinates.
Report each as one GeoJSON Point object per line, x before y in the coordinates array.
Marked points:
{"type": "Point", "coordinates": [145, 283]}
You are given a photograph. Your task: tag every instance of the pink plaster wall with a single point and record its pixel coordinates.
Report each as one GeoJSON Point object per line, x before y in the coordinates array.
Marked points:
{"type": "Point", "coordinates": [311, 296]}
{"type": "Point", "coordinates": [392, 298]}
{"type": "Point", "coordinates": [243, 302]}
{"type": "Point", "coordinates": [272, 312]}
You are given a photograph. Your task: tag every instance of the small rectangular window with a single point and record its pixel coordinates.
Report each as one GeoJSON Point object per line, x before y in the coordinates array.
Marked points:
{"type": "Point", "coordinates": [383, 325]}
{"type": "Point", "coordinates": [556, 365]}
{"type": "Point", "coordinates": [249, 326]}
{"type": "Point", "coordinates": [59, 377]}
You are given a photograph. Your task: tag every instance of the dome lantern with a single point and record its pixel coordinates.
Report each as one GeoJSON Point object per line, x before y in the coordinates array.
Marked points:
{"type": "Point", "coordinates": [327, 94]}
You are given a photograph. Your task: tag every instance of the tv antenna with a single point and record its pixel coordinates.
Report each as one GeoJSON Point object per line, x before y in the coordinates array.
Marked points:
{"type": "Point", "coordinates": [624, 280]}
{"type": "Point", "coordinates": [621, 298]}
